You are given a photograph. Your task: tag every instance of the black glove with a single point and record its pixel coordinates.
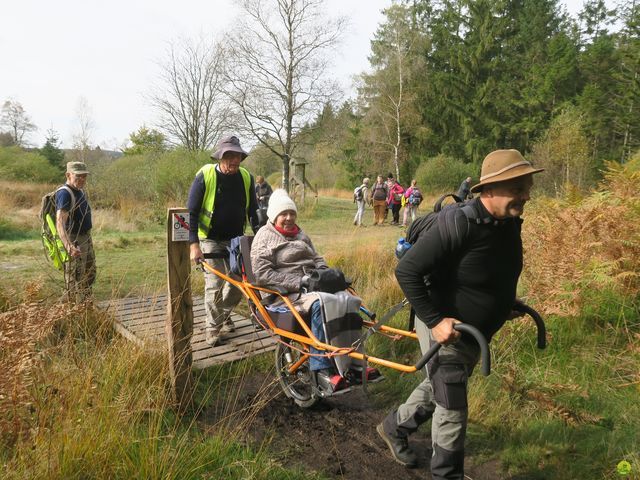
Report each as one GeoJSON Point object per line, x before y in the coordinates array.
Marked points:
{"type": "Point", "coordinates": [330, 280]}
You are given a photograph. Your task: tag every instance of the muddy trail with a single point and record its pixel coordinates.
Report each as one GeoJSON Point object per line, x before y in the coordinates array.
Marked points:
{"type": "Point", "coordinates": [336, 438]}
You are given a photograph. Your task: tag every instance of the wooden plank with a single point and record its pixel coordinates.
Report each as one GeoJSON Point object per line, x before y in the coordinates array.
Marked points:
{"type": "Point", "coordinates": [134, 313]}
{"type": "Point", "coordinates": [199, 320]}
{"type": "Point", "coordinates": [122, 330]}
{"type": "Point", "coordinates": [179, 310]}
{"type": "Point", "coordinates": [128, 303]}
{"type": "Point", "coordinates": [229, 346]}
{"type": "Point", "coordinates": [143, 321]}
{"type": "Point", "coordinates": [229, 357]}
{"type": "Point", "coordinates": [157, 328]}
{"type": "Point", "coordinates": [139, 316]}
{"type": "Point", "coordinates": [136, 309]}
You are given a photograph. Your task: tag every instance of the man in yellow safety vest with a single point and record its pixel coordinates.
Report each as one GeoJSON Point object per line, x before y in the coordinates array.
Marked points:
{"type": "Point", "coordinates": [221, 199]}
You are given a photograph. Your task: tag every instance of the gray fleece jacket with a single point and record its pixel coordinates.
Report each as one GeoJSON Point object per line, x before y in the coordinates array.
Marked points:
{"type": "Point", "coordinates": [281, 261]}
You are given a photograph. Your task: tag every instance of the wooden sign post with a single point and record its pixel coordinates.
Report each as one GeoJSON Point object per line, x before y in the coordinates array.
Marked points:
{"type": "Point", "coordinates": [179, 324]}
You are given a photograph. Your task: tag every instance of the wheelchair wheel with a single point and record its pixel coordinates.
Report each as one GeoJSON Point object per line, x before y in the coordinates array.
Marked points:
{"type": "Point", "coordinates": [298, 385]}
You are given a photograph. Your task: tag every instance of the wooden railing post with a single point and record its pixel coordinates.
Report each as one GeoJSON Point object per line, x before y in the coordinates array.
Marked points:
{"type": "Point", "coordinates": [179, 324]}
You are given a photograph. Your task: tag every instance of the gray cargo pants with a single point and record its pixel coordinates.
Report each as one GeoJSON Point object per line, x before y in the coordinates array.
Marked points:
{"type": "Point", "coordinates": [80, 272]}
{"type": "Point", "coordinates": [441, 396]}
{"type": "Point", "coordinates": [220, 297]}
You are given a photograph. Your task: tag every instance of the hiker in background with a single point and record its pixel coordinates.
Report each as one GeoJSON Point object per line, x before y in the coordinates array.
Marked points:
{"type": "Point", "coordinates": [472, 280]}
{"type": "Point", "coordinates": [463, 190]}
{"type": "Point", "coordinates": [390, 182]}
{"type": "Point", "coordinates": [221, 198]}
{"type": "Point", "coordinates": [263, 192]}
{"type": "Point", "coordinates": [360, 196]}
{"type": "Point", "coordinates": [73, 222]}
{"type": "Point", "coordinates": [379, 194]}
{"type": "Point", "coordinates": [413, 199]}
{"type": "Point", "coordinates": [394, 201]}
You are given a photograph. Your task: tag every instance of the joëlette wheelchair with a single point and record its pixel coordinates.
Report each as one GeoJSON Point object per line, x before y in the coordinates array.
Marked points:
{"type": "Point", "coordinates": [294, 337]}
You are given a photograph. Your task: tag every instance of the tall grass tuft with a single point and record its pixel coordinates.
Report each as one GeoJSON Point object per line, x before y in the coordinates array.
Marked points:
{"type": "Point", "coordinates": [86, 404]}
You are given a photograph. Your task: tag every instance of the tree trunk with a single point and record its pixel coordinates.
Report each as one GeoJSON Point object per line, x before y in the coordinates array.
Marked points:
{"type": "Point", "coordinates": [285, 172]}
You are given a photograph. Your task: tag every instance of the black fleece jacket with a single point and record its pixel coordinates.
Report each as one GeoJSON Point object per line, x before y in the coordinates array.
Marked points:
{"type": "Point", "coordinates": [474, 282]}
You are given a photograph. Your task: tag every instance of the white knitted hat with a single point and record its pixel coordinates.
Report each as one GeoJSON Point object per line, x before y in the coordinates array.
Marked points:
{"type": "Point", "coordinates": [278, 203]}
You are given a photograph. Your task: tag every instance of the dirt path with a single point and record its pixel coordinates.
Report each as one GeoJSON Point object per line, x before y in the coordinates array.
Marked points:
{"type": "Point", "coordinates": [337, 437]}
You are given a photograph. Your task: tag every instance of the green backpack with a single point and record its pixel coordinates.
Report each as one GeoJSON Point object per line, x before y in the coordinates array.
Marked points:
{"type": "Point", "coordinates": [53, 248]}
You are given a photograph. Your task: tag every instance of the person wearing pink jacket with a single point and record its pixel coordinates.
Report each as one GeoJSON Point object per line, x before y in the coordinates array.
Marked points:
{"type": "Point", "coordinates": [395, 200]}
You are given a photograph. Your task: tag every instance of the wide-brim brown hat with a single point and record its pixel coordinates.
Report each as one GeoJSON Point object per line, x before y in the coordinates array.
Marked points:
{"type": "Point", "coordinates": [502, 165]}
{"type": "Point", "coordinates": [228, 144]}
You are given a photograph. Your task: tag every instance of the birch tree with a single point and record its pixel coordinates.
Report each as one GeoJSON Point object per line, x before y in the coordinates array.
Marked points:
{"type": "Point", "coordinates": [389, 99]}
{"type": "Point", "coordinates": [85, 127]}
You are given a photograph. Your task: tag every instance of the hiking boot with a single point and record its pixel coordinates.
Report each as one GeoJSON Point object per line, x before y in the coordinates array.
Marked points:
{"type": "Point", "coordinates": [212, 337]}
{"type": "Point", "coordinates": [227, 327]}
{"type": "Point", "coordinates": [399, 447]}
{"type": "Point", "coordinates": [331, 383]}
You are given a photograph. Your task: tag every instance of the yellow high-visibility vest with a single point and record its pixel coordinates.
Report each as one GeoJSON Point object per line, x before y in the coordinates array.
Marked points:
{"type": "Point", "coordinates": [208, 202]}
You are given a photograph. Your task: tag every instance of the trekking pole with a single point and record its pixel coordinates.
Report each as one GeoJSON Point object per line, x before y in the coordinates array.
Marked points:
{"type": "Point", "coordinates": [473, 331]}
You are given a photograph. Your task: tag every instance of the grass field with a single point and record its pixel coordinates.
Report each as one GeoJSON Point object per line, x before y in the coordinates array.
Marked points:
{"type": "Point", "coordinates": [88, 401]}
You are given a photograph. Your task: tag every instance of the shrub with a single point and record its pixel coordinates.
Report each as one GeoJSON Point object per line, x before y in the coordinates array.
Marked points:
{"type": "Point", "coordinates": [17, 164]}
{"type": "Point", "coordinates": [597, 247]}
{"type": "Point", "coordinates": [125, 178]}
{"type": "Point", "coordinates": [173, 175]}
{"type": "Point", "coordinates": [152, 180]}
{"type": "Point", "coordinates": [443, 174]}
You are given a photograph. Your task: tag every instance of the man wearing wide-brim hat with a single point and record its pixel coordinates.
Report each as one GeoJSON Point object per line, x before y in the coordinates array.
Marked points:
{"type": "Point", "coordinates": [473, 260]}
{"type": "Point", "coordinates": [73, 223]}
{"type": "Point", "coordinates": [221, 199]}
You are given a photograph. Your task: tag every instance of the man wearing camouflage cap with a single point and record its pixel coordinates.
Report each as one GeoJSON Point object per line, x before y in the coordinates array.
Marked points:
{"type": "Point", "coordinates": [221, 199]}
{"type": "Point", "coordinates": [472, 278]}
{"type": "Point", "coordinates": [73, 223]}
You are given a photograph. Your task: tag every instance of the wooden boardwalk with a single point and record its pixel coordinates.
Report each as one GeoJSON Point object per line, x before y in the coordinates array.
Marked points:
{"type": "Point", "coordinates": [143, 321]}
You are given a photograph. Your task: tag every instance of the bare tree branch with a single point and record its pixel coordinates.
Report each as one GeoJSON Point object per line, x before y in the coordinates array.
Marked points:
{"type": "Point", "coordinates": [277, 71]}
{"type": "Point", "coordinates": [15, 118]}
{"type": "Point", "coordinates": [193, 110]}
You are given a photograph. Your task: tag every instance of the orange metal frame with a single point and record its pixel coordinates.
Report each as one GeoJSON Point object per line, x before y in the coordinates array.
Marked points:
{"type": "Point", "coordinates": [249, 291]}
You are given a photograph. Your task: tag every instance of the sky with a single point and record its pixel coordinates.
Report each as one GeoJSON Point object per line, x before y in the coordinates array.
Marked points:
{"type": "Point", "coordinates": [56, 52]}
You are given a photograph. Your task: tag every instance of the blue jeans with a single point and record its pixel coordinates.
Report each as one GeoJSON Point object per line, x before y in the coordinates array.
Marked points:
{"type": "Point", "coordinates": [318, 363]}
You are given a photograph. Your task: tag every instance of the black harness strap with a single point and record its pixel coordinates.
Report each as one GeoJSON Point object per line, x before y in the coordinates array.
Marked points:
{"type": "Point", "coordinates": [216, 255]}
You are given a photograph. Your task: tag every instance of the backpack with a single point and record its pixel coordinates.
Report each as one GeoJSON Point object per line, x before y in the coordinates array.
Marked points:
{"type": "Point", "coordinates": [415, 198]}
{"type": "Point", "coordinates": [358, 194]}
{"type": "Point", "coordinates": [445, 218]}
{"type": "Point", "coordinates": [53, 248]}
{"type": "Point", "coordinates": [235, 256]}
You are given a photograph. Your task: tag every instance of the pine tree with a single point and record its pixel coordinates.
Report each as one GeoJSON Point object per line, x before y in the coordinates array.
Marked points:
{"type": "Point", "coordinates": [51, 150]}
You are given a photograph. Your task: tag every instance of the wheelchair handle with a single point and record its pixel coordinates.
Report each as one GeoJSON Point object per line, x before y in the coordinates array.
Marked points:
{"type": "Point", "coordinates": [542, 331]}
{"type": "Point", "coordinates": [473, 331]}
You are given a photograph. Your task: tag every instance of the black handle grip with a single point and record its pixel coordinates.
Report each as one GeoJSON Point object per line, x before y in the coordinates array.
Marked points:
{"type": "Point", "coordinates": [427, 356]}
{"type": "Point", "coordinates": [473, 331]}
{"type": "Point", "coordinates": [542, 331]}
